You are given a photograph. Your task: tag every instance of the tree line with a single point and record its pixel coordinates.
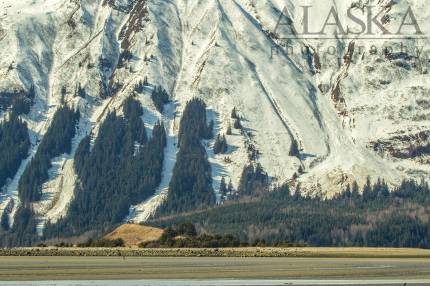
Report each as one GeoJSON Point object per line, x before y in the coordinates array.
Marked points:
{"type": "Point", "coordinates": [374, 215]}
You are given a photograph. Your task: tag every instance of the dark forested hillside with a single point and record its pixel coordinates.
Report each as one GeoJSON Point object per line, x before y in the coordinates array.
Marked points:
{"type": "Point", "coordinates": [132, 113]}
{"type": "Point", "coordinates": [57, 141]}
{"type": "Point", "coordinates": [122, 168]}
{"type": "Point", "coordinates": [191, 184]}
{"type": "Point", "coordinates": [194, 126]}
{"type": "Point", "coordinates": [375, 218]}
{"type": "Point", "coordinates": [14, 147]}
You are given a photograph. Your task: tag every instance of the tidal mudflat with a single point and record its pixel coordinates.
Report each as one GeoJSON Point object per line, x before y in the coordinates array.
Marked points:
{"type": "Point", "coordinates": [212, 269]}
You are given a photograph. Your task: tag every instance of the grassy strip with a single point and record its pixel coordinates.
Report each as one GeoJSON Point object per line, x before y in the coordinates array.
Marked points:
{"type": "Point", "coordinates": [224, 252]}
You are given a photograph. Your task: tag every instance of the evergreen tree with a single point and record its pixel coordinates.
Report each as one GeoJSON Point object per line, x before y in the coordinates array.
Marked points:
{"type": "Point", "coordinates": [21, 102]}
{"type": "Point", "coordinates": [139, 87]}
{"type": "Point", "coordinates": [223, 190]}
{"type": "Point", "coordinates": [5, 221]}
{"type": "Point", "coordinates": [295, 176]}
{"type": "Point", "coordinates": [355, 193]}
{"type": "Point", "coordinates": [63, 95]}
{"type": "Point", "coordinates": [367, 190]}
{"type": "Point", "coordinates": [294, 149]}
{"type": "Point", "coordinates": [253, 181]}
{"type": "Point", "coordinates": [209, 132]}
{"type": "Point", "coordinates": [229, 132]}
{"type": "Point", "coordinates": [347, 191]}
{"type": "Point", "coordinates": [63, 92]}
{"type": "Point", "coordinates": [21, 105]}
{"type": "Point", "coordinates": [31, 94]}
{"type": "Point", "coordinates": [220, 146]}
{"type": "Point", "coordinates": [234, 114]}
{"type": "Point", "coordinates": [297, 194]}
{"type": "Point", "coordinates": [237, 124]}
{"type": "Point", "coordinates": [124, 57]}
{"type": "Point", "coordinates": [380, 189]}
{"type": "Point", "coordinates": [230, 187]}
{"type": "Point", "coordinates": [283, 192]}
{"type": "Point", "coordinates": [80, 91]}
{"type": "Point", "coordinates": [133, 112]}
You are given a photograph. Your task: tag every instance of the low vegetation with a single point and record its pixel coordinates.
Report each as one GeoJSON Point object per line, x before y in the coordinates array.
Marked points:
{"type": "Point", "coordinates": [119, 242]}
{"type": "Point", "coordinates": [185, 236]}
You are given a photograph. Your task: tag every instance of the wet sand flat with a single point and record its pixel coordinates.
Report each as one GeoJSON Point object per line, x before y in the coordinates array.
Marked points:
{"type": "Point", "coordinates": [40, 268]}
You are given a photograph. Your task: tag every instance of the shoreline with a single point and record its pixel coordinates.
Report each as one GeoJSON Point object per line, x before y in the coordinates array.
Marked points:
{"type": "Point", "coordinates": [308, 252]}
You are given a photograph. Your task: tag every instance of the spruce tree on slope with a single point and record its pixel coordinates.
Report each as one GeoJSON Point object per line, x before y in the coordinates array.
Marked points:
{"type": "Point", "coordinates": [223, 188]}
{"type": "Point", "coordinates": [294, 149]}
{"type": "Point", "coordinates": [220, 146]}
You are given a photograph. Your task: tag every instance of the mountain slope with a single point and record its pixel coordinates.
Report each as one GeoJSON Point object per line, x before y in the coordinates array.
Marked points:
{"type": "Point", "coordinates": [353, 114]}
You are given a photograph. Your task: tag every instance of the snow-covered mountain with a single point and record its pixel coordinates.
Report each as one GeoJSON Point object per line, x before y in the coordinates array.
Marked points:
{"type": "Point", "coordinates": [354, 109]}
